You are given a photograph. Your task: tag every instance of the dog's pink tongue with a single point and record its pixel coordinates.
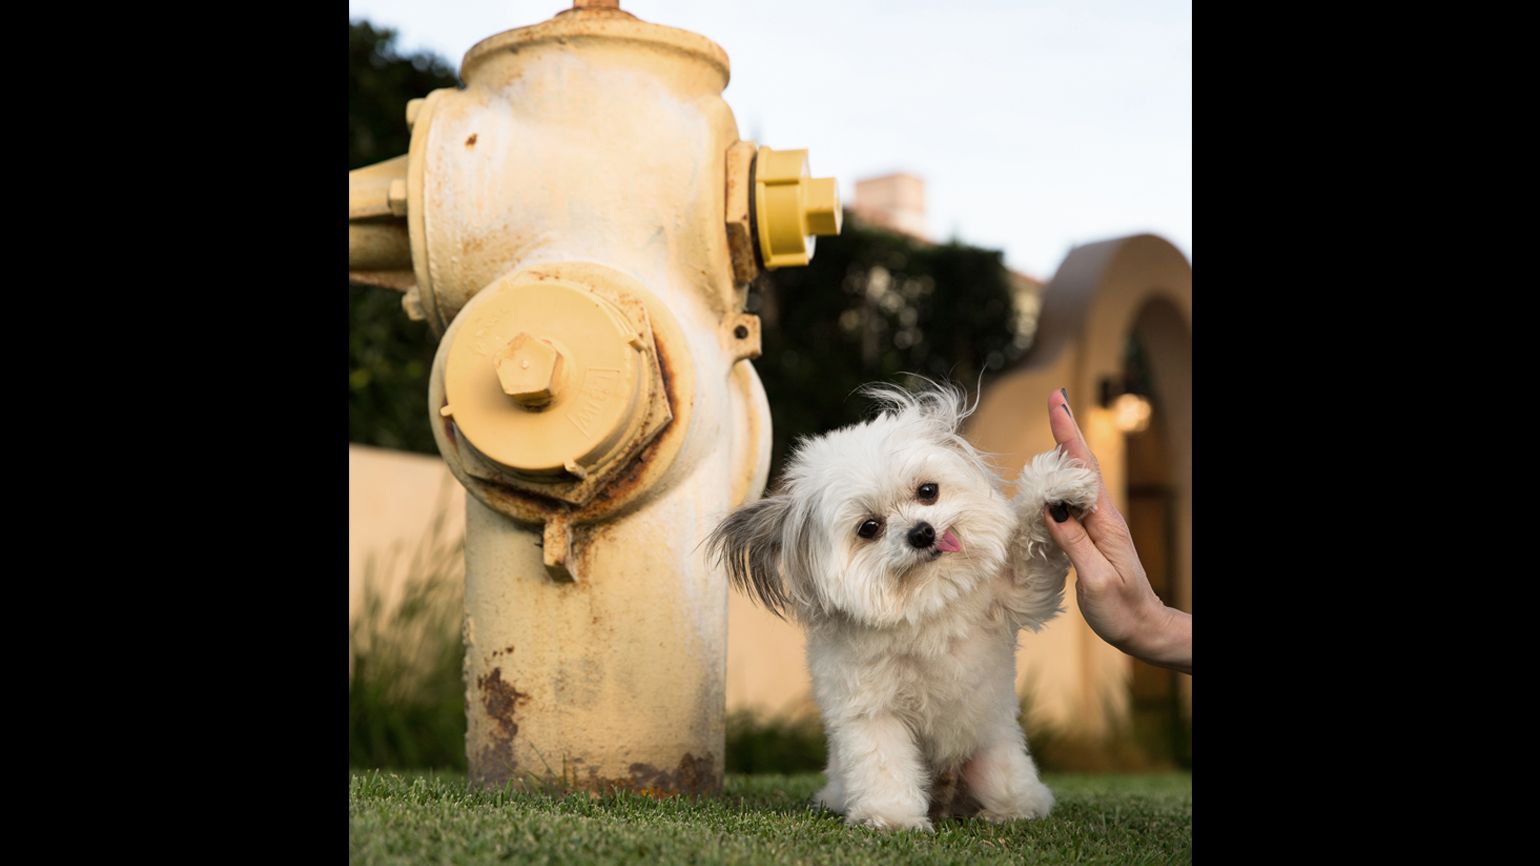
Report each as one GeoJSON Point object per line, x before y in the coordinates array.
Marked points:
{"type": "Point", "coordinates": [948, 543]}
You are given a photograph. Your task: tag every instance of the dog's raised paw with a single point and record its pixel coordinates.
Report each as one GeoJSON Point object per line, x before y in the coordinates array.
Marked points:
{"type": "Point", "coordinates": [1058, 481]}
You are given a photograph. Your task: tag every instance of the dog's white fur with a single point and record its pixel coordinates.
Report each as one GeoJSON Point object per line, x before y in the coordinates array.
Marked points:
{"type": "Point", "coordinates": [912, 651]}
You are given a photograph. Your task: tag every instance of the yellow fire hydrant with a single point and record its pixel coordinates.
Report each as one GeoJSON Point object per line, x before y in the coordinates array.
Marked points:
{"type": "Point", "coordinates": [580, 224]}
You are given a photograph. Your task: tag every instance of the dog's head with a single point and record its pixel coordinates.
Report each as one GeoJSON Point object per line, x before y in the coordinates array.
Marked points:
{"type": "Point", "coordinates": [882, 522]}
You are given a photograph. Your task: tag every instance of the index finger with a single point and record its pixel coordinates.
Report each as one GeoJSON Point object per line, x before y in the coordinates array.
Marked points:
{"type": "Point", "coordinates": [1066, 432]}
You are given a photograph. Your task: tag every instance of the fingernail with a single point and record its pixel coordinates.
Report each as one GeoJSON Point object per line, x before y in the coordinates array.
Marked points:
{"type": "Point", "coordinates": [1060, 512]}
{"type": "Point", "coordinates": [1065, 404]}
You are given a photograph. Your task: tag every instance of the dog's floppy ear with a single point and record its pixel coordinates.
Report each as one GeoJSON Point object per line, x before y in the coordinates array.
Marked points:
{"type": "Point", "coordinates": [749, 543]}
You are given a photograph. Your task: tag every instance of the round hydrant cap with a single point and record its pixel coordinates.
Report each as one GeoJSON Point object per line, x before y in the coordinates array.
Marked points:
{"type": "Point", "coordinates": [544, 376]}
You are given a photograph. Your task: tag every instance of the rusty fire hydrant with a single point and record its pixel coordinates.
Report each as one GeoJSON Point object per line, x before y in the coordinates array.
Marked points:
{"type": "Point", "coordinates": [580, 225]}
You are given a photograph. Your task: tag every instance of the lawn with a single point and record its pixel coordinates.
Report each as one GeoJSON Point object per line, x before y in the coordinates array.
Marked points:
{"type": "Point", "coordinates": [419, 818]}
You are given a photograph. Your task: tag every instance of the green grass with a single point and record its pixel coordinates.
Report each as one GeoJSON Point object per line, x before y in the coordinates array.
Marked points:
{"type": "Point", "coordinates": [419, 818]}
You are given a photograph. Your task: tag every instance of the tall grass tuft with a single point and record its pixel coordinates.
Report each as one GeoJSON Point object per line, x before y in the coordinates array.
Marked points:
{"type": "Point", "coordinates": [406, 698]}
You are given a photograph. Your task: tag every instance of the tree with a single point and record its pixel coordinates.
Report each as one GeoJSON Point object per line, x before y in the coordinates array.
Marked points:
{"type": "Point", "coordinates": [389, 355]}
{"type": "Point", "coordinates": [872, 305]}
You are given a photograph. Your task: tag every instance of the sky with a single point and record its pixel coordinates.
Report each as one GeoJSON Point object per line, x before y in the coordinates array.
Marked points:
{"type": "Point", "coordinates": [1037, 126]}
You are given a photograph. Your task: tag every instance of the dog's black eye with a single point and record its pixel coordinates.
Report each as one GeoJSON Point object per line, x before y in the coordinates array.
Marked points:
{"type": "Point", "coordinates": [929, 492]}
{"type": "Point", "coordinates": [869, 529]}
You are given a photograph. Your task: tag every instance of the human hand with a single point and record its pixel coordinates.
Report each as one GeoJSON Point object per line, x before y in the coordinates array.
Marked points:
{"type": "Point", "coordinates": [1114, 593]}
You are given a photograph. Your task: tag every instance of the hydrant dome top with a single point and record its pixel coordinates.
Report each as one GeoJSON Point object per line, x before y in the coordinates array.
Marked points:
{"type": "Point", "coordinates": [596, 24]}
{"type": "Point", "coordinates": [545, 376]}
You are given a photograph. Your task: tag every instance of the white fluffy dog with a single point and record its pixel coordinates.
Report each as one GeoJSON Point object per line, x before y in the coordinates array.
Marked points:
{"type": "Point", "coordinates": [891, 542]}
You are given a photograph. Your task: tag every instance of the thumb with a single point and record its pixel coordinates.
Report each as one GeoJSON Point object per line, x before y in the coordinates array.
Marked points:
{"type": "Point", "coordinates": [1091, 568]}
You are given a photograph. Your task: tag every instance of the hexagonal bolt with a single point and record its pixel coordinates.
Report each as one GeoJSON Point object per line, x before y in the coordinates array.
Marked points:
{"type": "Point", "coordinates": [530, 370]}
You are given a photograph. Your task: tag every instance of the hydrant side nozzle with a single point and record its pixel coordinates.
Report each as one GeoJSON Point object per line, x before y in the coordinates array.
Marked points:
{"type": "Point", "coordinates": [791, 207]}
{"type": "Point", "coordinates": [370, 188]}
{"type": "Point", "coordinates": [379, 243]}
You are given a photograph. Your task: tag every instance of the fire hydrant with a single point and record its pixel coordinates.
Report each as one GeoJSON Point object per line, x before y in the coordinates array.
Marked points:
{"type": "Point", "coordinates": [579, 224]}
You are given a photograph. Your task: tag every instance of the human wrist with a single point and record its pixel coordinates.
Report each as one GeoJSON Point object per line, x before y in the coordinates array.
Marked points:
{"type": "Point", "coordinates": [1164, 639]}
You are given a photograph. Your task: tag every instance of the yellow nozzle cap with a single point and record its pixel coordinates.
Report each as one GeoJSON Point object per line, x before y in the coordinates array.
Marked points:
{"type": "Point", "coordinates": [791, 207]}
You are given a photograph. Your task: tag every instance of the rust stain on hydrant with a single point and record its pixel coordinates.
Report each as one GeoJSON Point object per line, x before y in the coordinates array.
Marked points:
{"type": "Point", "coordinates": [501, 700]}
{"type": "Point", "coordinates": [692, 776]}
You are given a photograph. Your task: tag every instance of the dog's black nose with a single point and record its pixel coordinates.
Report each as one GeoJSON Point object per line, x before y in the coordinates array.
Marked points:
{"type": "Point", "coordinates": [922, 535]}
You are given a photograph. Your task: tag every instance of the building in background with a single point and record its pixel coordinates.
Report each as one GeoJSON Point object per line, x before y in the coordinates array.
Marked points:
{"type": "Point", "coordinates": [893, 201]}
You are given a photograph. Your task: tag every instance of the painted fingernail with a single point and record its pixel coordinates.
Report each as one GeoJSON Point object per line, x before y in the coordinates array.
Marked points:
{"type": "Point", "coordinates": [1065, 404]}
{"type": "Point", "coordinates": [1060, 512]}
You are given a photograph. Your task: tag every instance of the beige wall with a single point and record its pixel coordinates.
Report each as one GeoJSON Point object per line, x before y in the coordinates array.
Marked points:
{"type": "Point", "coordinates": [394, 498]}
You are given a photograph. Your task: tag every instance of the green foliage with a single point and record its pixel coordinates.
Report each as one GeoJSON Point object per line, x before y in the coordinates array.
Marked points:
{"type": "Point", "coordinates": [406, 699]}
{"type": "Point", "coordinates": [380, 81]}
{"type": "Point", "coordinates": [756, 819]}
{"type": "Point", "coordinates": [870, 306]}
{"type": "Point", "coordinates": [389, 356]}
{"type": "Point", "coordinates": [774, 745]}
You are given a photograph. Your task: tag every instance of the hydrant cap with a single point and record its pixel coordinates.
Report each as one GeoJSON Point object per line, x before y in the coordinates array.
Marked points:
{"type": "Point", "coordinates": [544, 376]}
{"type": "Point", "coordinates": [791, 207]}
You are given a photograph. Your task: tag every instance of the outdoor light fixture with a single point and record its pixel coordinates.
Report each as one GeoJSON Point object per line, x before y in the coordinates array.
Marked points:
{"type": "Point", "coordinates": [1131, 411]}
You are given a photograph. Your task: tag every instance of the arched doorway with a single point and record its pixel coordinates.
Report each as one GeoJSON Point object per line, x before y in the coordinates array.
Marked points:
{"type": "Point", "coordinates": [1158, 366]}
{"type": "Point", "coordinates": [1105, 296]}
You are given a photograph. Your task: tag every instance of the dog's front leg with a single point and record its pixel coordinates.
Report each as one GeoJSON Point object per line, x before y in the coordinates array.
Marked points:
{"type": "Point", "coordinates": [832, 796]}
{"type": "Point", "coordinates": [884, 777]}
{"type": "Point", "coordinates": [1003, 778]}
